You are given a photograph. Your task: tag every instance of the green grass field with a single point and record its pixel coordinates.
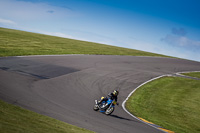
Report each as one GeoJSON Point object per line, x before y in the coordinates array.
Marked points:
{"type": "Point", "coordinates": [171, 102]}
{"type": "Point", "coordinates": [16, 43]}
{"type": "Point", "coordinates": [14, 119]}
{"type": "Point", "coordinates": [192, 74]}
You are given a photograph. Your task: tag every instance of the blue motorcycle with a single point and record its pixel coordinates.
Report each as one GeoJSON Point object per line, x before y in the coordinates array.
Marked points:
{"type": "Point", "coordinates": [106, 107]}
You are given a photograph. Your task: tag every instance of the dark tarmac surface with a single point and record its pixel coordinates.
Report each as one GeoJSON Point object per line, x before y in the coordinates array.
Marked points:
{"type": "Point", "coordinates": [65, 87]}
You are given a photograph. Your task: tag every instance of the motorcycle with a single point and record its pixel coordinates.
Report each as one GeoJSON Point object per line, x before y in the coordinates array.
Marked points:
{"type": "Point", "coordinates": [106, 107]}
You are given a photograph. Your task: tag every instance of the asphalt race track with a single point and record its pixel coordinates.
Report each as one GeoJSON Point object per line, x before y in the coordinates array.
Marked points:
{"type": "Point", "coordinates": [65, 87]}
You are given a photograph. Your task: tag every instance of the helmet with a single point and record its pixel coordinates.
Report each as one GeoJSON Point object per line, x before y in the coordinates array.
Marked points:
{"type": "Point", "coordinates": [115, 92]}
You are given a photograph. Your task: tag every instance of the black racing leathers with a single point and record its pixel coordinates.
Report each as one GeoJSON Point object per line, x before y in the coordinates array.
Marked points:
{"type": "Point", "coordinates": [110, 96]}
{"type": "Point", "coordinates": [113, 97]}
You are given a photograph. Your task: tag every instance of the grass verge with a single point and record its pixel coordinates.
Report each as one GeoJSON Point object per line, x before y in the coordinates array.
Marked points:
{"type": "Point", "coordinates": [14, 119]}
{"type": "Point", "coordinates": [171, 102]}
{"type": "Point", "coordinates": [192, 74]}
{"type": "Point", "coordinates": [17, 43]}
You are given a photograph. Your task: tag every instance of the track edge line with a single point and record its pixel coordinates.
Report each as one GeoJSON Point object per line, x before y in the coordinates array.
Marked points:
{"type": "Point", "coordinates": [141, 119]}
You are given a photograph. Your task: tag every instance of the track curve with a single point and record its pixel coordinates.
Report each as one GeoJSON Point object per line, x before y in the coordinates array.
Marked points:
{"type": "Point", "coordinates": [65, 87]}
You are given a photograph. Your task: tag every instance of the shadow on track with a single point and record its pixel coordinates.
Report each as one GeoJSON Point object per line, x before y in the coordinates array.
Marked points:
{"type": "Point", "coordinates": [122, 118]}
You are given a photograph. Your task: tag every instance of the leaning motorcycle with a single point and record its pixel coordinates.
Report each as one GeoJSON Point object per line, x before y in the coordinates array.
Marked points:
{"type": "Point", "coordinates": [106, 107]}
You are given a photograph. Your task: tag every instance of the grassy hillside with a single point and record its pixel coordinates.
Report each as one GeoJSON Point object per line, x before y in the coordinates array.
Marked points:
{"type": "Point", "coordinates": [171, 102]}
{"type": "Point", "coordinates": [16, 43]}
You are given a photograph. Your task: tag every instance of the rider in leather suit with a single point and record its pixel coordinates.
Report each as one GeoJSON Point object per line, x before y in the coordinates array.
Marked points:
{"type": "Point", "coordinates": [113, 95]}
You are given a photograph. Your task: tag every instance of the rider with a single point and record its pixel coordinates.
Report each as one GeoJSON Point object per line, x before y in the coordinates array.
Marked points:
{"type": "Point", "coordinates": [113, 95]}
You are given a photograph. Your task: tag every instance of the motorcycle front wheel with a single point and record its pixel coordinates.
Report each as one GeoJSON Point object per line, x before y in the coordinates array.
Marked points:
{"type": "Point", "coordinates": [109, 110]}
{"type": "Point", "coordinates": [96, 107]}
